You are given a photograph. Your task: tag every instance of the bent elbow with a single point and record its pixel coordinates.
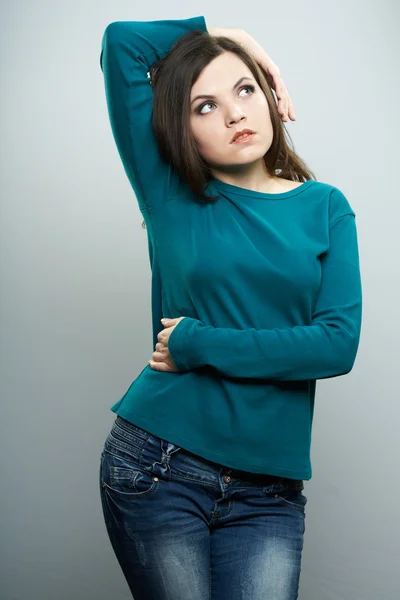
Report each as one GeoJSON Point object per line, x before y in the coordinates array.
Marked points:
{"type": "Point", "coordinates": [348, 355]}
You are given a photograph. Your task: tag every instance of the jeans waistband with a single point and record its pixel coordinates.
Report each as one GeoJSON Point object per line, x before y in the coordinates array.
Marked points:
{"type": "Point", "coordinates": [147, 448]}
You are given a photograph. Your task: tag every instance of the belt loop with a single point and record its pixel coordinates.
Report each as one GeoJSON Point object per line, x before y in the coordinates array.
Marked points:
{"type": "Point", "coordinates": [168, 448]}
{"type": "Point", "coordinates": [161, 467]}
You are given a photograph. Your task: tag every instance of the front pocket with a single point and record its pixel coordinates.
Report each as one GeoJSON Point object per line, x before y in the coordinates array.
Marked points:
{"type": "Point", "coordinates": [123, 479]}
{"type": "Point", "coordinates": [296, 500]}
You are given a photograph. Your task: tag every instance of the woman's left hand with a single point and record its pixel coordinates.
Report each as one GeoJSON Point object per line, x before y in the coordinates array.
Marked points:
{"type": "Point", "coordinates": [161, 359]}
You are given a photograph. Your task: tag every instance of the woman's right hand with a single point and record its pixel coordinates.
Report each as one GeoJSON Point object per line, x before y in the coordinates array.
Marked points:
{"type": "Point", "coordinates": [285, 107]}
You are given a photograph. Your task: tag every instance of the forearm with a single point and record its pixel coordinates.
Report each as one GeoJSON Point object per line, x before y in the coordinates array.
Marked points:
{"type": "Point", "coordinates": [317, 351]}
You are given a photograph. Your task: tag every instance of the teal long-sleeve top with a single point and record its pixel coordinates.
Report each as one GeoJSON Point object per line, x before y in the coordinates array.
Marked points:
{"type": "Point", "coordinates": [269, 285]}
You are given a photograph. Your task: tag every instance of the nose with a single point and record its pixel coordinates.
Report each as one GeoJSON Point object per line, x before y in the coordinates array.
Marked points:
{"type": "Point", "coordinates": [234, 115]}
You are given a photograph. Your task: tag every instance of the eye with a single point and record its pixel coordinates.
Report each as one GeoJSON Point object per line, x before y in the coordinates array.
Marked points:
{"type": "Point", "coordinates": [199, 109]}
{"type": "Point", "coordinates": [248, 87]}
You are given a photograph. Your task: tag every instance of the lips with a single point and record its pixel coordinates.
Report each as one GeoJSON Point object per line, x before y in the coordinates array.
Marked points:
{"type": "Point", "coordinates": [243, 131]}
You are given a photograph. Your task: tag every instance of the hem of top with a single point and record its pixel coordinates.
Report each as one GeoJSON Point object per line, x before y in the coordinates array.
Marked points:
{"type": "Point", "coordinates": [233, 189]}
{"type": "Point", "coordinates": [208, 454]}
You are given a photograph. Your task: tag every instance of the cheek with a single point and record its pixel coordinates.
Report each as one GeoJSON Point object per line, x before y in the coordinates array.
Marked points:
{"type": "Point", "coordinates": [206, 136]}
{"type": "Point", "coordinates": [263, 112]}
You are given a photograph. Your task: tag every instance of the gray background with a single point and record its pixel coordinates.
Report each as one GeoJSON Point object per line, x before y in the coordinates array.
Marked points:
{"type": "Point", "coordinates": [75, 287]}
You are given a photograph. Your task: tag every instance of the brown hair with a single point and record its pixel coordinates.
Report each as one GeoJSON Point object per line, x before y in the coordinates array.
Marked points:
{"type": "Point", "coordinates": [172, 79]}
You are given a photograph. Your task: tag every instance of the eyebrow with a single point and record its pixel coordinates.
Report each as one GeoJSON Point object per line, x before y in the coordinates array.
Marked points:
{"type": "Point", "coordinates": [207, 96]}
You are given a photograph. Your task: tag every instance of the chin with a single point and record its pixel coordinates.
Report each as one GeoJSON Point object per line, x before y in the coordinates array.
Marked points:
{"type": "Point", "coordinates": [247, 157]}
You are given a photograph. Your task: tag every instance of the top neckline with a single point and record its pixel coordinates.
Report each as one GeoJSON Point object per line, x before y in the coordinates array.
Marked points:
{"type": "Point", "coordinates": [235, 189]}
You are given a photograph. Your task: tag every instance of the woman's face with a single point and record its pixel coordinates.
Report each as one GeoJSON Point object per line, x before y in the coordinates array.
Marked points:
{"type": "Point", "coordinates": [214, 121]}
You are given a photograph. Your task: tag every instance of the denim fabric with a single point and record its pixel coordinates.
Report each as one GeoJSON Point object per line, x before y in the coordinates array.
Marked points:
{"type": "Point", "coordinates": [185, 528]}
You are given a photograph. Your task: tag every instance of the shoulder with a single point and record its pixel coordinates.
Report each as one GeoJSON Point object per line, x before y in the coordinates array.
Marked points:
{"type": "Point", "coordinates": [338, 204]}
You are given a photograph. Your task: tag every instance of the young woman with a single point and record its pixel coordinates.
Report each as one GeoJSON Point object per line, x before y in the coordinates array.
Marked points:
{"type": "Point", "coordinates": [256, 265]}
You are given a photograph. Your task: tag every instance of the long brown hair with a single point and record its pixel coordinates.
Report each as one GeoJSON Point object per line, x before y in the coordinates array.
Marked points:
{"type": "Point", "coordinates": [172, 79]}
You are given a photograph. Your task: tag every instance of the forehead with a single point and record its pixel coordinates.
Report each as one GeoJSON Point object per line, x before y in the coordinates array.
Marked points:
{"type": "Point", "coordinates": [220, 75]}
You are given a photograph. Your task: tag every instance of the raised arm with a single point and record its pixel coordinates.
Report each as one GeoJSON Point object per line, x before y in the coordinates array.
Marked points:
{"type": "Point", "coordinates": [128, 50]}
{"type": "Point", "coordinates": [325, 348]}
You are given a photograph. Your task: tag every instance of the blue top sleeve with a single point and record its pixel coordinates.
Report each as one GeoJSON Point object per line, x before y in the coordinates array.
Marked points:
{"type": "Point", "coordinates": [128, 50]}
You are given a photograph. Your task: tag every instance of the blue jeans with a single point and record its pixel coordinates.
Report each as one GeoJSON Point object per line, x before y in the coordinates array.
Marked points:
{"type": "Point", "coordinates": [185, 528]}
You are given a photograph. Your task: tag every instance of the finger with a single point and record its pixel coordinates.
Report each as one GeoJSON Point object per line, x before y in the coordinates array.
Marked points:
{"type": "Point", "coordinates": [278, 86]}
{"type": "Point", "coordinates": [286, 102]}
{"type": "Point", "coordinates": [159, 366]}
{"type": "Point", "coordinates": [273, 73]}
{"type": "Point", "coordinates": [168, 321]}
{"type": "Point", "coordinates": [291, 113]}
{"type": "Point", "coordinates": [162, 336]}
{"type": "Point", "coordinates": [155, 364]}
{"type": "Point", "coordinates": [277, 83]}
{"type": "Point", "coordinates": [289, 107]}
{"type": "Point", "coordinates": [283, 103]}
{"type": "Point", "coordinates": [158, 357]}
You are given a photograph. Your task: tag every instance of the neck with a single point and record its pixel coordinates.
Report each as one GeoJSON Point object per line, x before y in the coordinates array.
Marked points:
{"type": "Point", "coordinates": [252, 177]}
